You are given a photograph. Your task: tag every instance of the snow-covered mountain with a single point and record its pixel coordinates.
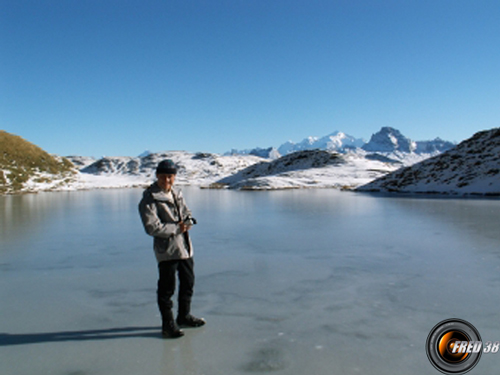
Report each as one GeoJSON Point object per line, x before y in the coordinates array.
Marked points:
{"type": "Point", "coordinates": [435, 146]}
{"type": "Point", "coordinates": [391, 144]}
{"type": "Point", "coordinates": [336, 141]}
{"type": "Point", "coordinates": [472, 167]}
{"type": "Point", "coordinates": [309, 168]}
{"type": "Point", "coordinates": [389, 140]}
{"type": "Point", "coordinates": [267, 153]}
{"type": "Point", "coordinates": [193, 169]}
{"type": "Point", "coordinates": [145, 153]}
{"type": "Point", "coordinates": [81, 162]}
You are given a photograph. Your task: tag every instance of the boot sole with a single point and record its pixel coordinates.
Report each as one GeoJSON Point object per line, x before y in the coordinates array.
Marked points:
{"type": "Point", "coordinates": [167, 335]}
{"type": "Point", "coordinates": [188, 325]}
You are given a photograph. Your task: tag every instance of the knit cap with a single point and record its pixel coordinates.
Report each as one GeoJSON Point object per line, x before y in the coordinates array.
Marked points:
{"type": "Point", "coordinates": [166, 167]}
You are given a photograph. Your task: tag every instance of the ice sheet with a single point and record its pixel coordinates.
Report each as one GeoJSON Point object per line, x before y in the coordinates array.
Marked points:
{"type": "Point", "coordinates": [290, 282]}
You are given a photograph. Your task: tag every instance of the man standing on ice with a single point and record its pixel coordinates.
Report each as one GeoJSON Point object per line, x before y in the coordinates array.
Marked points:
{"type": "Point", "coordinates": [166, 217]}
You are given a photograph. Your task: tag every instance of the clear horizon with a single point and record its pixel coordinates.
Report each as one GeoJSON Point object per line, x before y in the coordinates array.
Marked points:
{"type": "Point", "coordinates": [118, 78]}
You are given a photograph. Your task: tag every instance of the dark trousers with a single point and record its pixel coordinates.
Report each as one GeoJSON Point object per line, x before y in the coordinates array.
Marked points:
{"type": "Point", "coordinates": [184, 269]}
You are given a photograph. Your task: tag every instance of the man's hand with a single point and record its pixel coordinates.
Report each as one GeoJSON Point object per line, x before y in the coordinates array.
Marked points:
{"type": "Point", "coordinates": [184, 227]}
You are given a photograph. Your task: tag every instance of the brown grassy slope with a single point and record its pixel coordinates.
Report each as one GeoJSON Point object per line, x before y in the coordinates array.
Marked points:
{"type": "Point", "coordinates": [20, 160]}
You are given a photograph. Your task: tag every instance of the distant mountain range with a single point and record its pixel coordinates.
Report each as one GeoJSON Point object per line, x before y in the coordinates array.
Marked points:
{"type": "Point", "coordinates": [386, 140]}
{"type": "Point", "coordinates": [303, 165]}
{"type": "Point", "coordinates": [388, 162]}
{"type": "Point", "coordinates": [336, 141]}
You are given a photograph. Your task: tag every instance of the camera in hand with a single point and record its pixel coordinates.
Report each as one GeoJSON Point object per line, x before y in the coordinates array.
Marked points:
{"type": "Point", "coordinates": [190, 221]}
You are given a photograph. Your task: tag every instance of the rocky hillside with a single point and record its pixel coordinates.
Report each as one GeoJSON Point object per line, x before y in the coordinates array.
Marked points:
{"type": "Point", "coordinates": [25, 167]}
{"type": "Point", "coordinates": [472, 167]}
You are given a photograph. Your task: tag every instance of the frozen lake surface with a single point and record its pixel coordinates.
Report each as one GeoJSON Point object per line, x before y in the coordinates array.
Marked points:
{"type": "Point", "coordinates": [290, 282]}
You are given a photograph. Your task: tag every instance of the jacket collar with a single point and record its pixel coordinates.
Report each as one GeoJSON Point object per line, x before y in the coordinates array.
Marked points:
{"type": "Point", "coordinates": [160, 195]}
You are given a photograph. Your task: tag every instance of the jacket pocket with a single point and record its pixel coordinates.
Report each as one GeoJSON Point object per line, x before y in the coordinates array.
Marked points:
{"type": "Point", "coordinates": [161, 244]}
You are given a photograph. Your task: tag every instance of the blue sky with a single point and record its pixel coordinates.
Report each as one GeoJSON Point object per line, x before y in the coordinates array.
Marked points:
{"type": "Point", "coordinates": [117, 77]}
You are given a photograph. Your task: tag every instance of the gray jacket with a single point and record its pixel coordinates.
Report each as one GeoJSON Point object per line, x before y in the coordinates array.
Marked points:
{"type": "Point", "coordinates": [160, 218]}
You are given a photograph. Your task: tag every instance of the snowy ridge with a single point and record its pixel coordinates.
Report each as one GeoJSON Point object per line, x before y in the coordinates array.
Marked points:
{"type": "Point", "coordinates": [193, 169]}
{"type": "Point", "coordinates": [405, 159]}
{"type": "Point", "coordinates": [472, 167]}
{"type": "Point", "coordinates": [306, 169]}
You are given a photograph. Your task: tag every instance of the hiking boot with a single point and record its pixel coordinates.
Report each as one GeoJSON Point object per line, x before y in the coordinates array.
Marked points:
{"type": "Point", "coordinates": [190, 321]}
{"type": "Point", "coordinates": [171, 330]}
